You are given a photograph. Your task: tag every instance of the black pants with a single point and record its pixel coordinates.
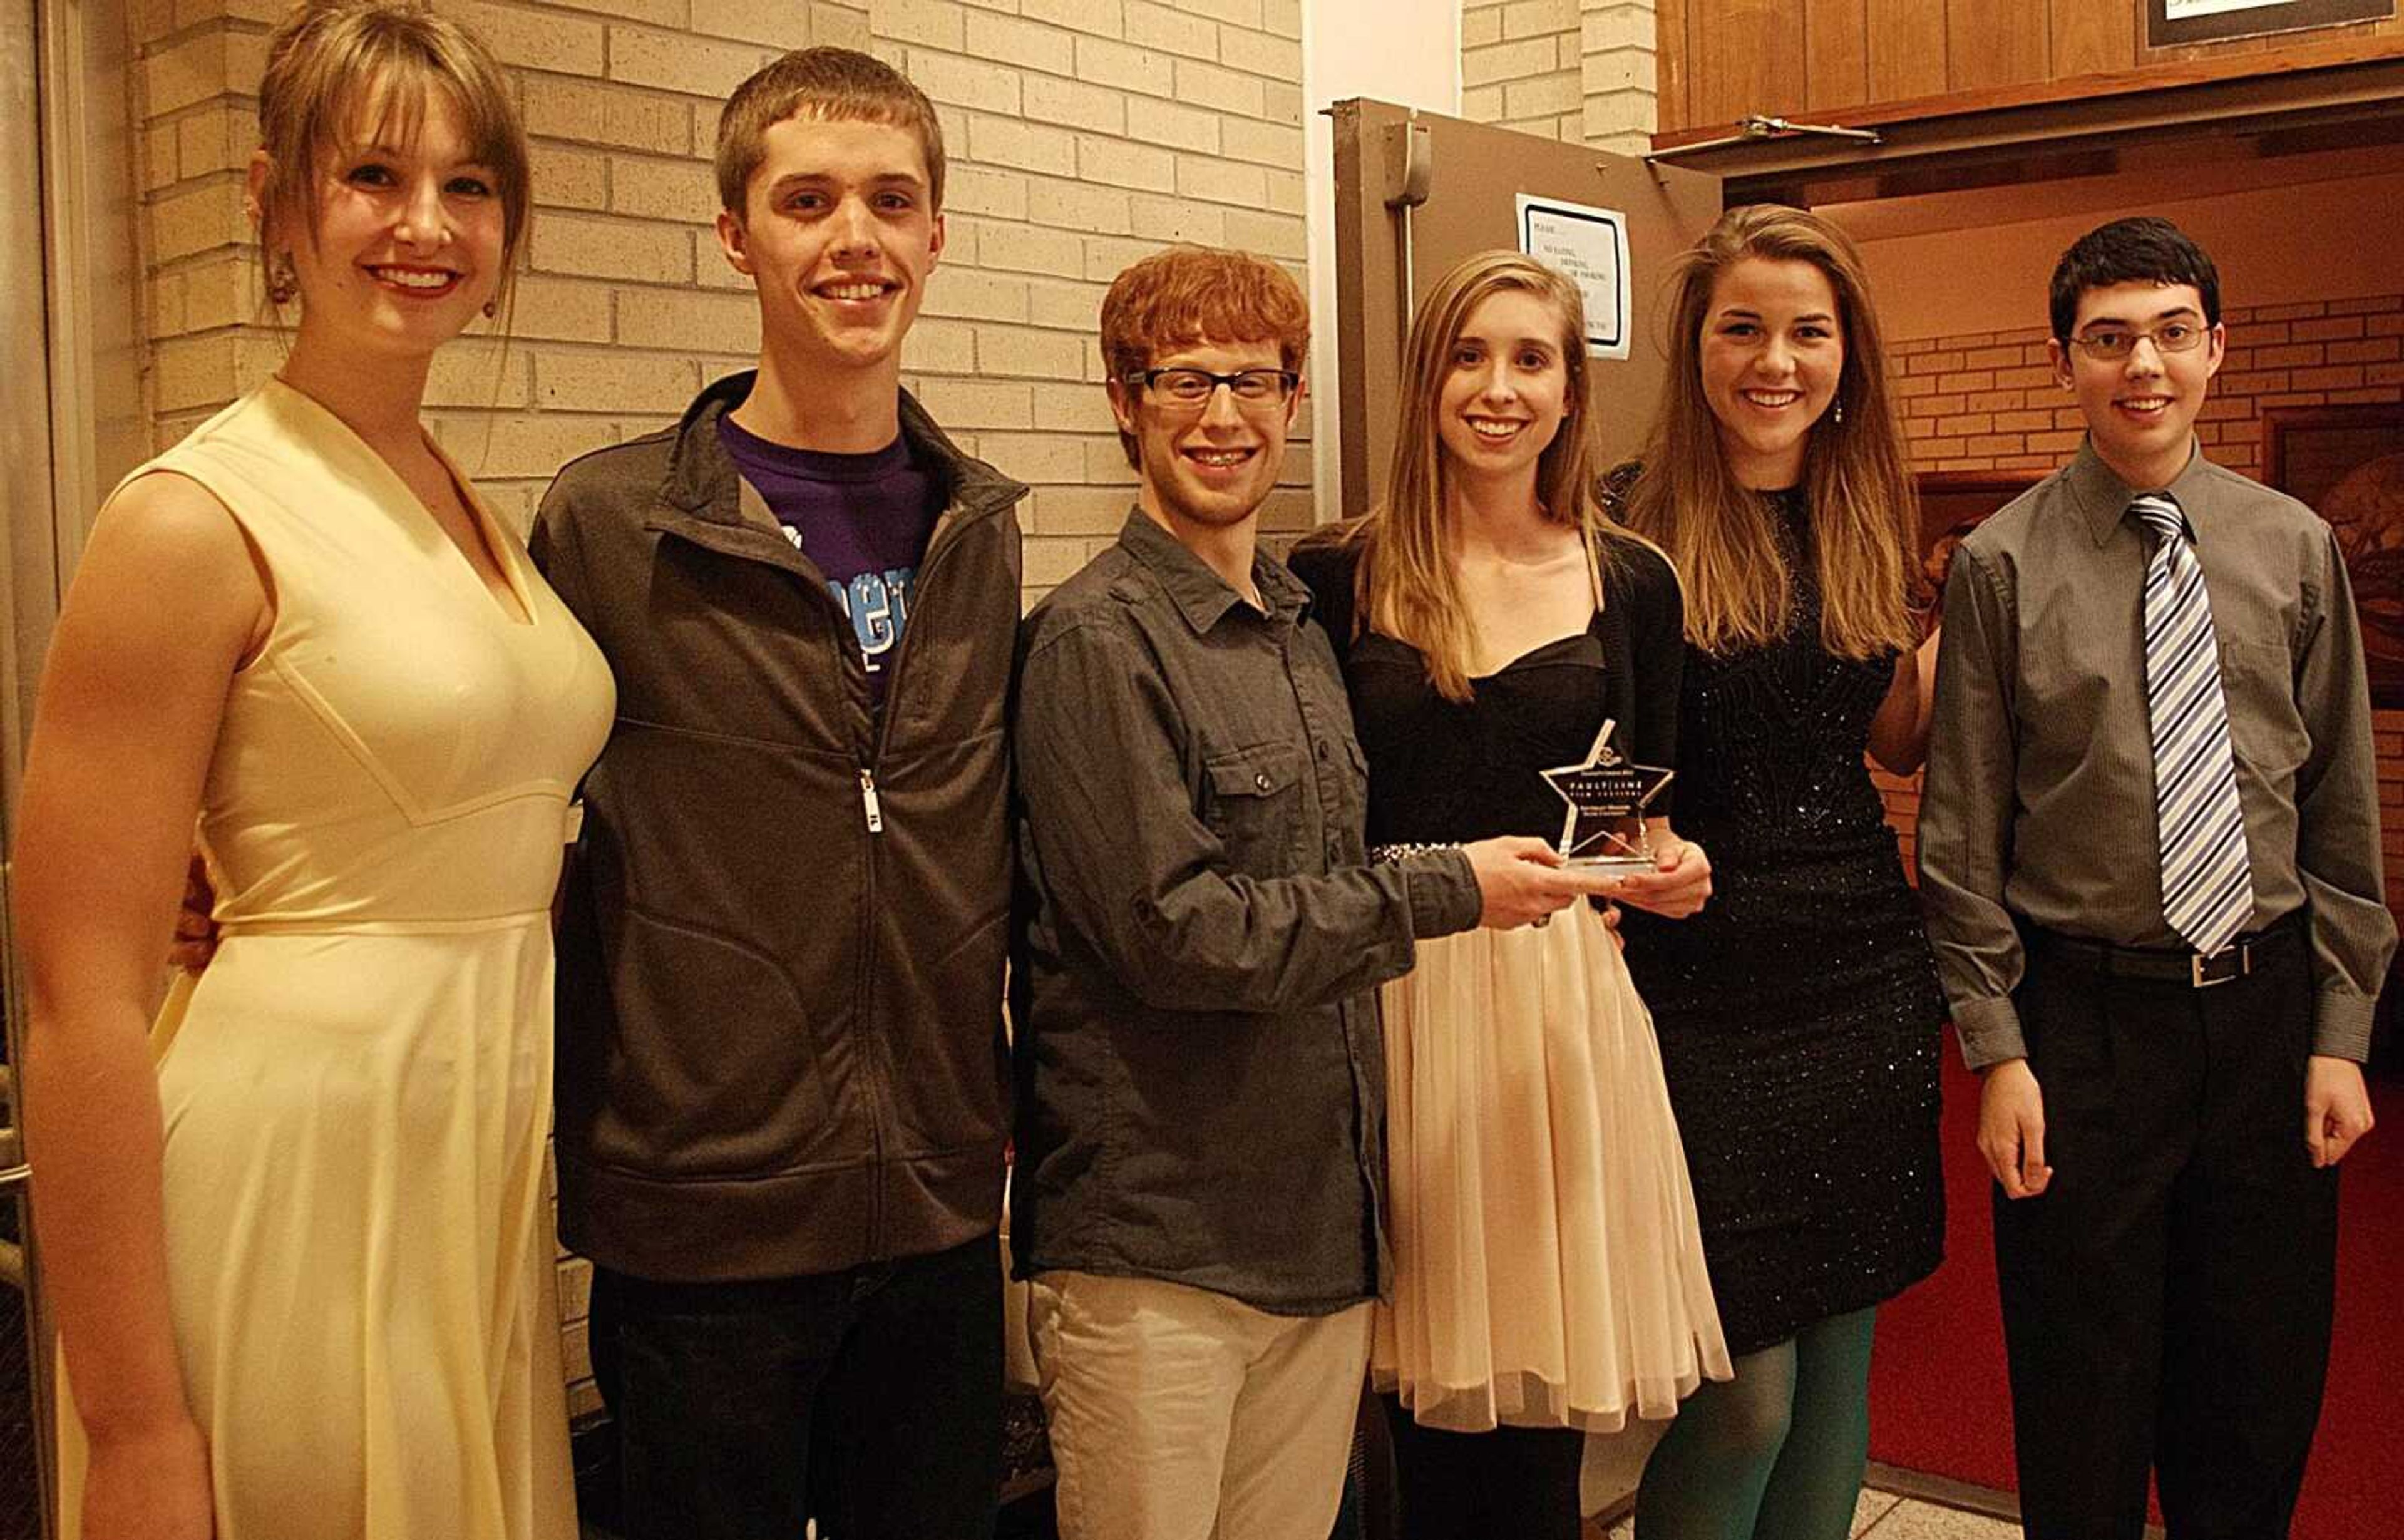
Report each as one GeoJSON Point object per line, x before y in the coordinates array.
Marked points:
{"type": "Point", "coordinates": [1516, 1482]}
{"type": "Point", "coordinates": [868, 1400]}
{"type": "Point", "coordinates": [2167, 1300]}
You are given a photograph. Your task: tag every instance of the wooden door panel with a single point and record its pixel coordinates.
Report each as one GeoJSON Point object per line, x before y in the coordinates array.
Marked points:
{"type": "Point", "coordinates": [1836, 54]}
{"type": "Point", "coordinates": [2088, 39]}
{"type": "Point", "coordinates": [1996, 42]}
{"type": "Point", "coordinates": [1906, 48]}
{"type": "Point", "coordinates": [1748, 57]}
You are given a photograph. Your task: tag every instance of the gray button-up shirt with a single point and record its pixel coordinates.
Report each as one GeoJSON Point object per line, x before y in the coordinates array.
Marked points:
{"type": "Point", "coordinates": [2039, 802]}
{"type": "Point", "coordinates": [1201, 1075]}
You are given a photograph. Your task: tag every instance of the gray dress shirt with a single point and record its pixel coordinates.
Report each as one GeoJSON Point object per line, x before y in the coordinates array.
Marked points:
{"type": "Point", "coordinates": [2039, 802]}
{"type": "Point", "coordinates": [1201, 1074]}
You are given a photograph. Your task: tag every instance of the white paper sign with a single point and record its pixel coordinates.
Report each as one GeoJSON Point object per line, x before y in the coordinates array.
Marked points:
{"type": "Point", "coordinates": [2181, 10]}
{"type": "Point", "coordinates": [1590, 245]}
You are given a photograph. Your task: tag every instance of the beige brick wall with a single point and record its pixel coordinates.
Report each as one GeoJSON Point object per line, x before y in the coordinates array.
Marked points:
{"type": "Point", "coordinates": [1580, 71]}
{"type": "Point", "coordinates": [1616, 43]}
{"type": "Point", "coordinates": [1083, 135]}
{"type": "Point", "coordinates": [1520, 63]}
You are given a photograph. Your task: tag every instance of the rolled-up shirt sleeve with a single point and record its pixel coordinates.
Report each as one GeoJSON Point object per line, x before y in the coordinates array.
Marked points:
{"type": "Point", "coordinates": [1123, 851]}
{"type": "Point", "coordinates": [2337, 824]}
{"type": "Point", "coordinates": [1965, 816]}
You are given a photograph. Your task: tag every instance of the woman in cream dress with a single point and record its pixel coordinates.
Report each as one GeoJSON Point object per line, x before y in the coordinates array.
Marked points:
{"type": "Point", "coordinates": [302, 1272]}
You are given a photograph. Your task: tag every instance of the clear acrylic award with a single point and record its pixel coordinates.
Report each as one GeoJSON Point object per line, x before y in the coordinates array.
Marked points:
{"type": "Point", "coordinates": [1604, 823]}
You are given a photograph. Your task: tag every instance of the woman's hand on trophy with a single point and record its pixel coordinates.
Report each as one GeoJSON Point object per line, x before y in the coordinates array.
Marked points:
{"type": "Point", "coordinates": [1679, 884]}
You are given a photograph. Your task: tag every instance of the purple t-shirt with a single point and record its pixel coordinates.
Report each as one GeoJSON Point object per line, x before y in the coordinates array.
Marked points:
{"type": "Point", "coordinates": [864, 520]}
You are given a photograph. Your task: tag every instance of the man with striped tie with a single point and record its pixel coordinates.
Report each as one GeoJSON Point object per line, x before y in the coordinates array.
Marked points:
{"type": "Point", "coordinates": [2149, 850]}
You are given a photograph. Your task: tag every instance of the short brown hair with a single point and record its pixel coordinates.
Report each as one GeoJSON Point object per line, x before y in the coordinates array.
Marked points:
{"type": "Point", "coordinates": [825, 85]}
{"type": "Point", "coordinates": [1186, 295]}
{"type": "Point", "coordinates": [333, 63]}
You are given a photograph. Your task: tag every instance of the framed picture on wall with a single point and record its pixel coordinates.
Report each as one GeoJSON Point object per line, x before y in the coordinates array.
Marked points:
{"type": "Point", "coordinates": [1952, 503]}
{"type": "Point", "coordinates": [2347, 464]}
{"type": "Point", "coordinates": [2172, 22]}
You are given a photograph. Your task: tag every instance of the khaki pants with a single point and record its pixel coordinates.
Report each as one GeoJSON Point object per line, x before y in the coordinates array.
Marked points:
{"type": "Point", "coordinates": [1180, 1414]}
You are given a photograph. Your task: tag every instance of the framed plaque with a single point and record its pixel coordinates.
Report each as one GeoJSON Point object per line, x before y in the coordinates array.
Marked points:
{"type": "Point", "coordinates": [2172, 23]}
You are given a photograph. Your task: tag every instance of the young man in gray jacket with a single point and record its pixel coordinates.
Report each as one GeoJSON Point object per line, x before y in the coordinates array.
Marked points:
{"type": "Point", "coordinates": [782, 1083]}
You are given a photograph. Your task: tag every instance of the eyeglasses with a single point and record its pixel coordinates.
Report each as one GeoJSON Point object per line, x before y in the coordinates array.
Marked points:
{"type": "Point", "coordinates": [1191, 388]}
{"type": "Point", "coordinates": [2114, 343]}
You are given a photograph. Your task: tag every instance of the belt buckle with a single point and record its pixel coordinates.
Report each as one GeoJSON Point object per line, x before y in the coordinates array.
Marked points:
{"type": "Point", "coordinates": [2233, 962]}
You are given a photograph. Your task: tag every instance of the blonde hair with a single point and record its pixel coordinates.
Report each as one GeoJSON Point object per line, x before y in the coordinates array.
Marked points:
{"type": "Point", "coordinates": [1722, 536]}
{"type": "Point", "coordinates": [823, 85]}
{"type": "Point", "coordinates": [1405, 584]}
{"type": "Point", "coordinates": [335, 63]}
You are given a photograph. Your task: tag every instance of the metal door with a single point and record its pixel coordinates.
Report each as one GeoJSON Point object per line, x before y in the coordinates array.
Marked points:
{"type": "Point", "coordinates": [68, 360]}
{"type": "Point", "coordinates": [1415, 193]}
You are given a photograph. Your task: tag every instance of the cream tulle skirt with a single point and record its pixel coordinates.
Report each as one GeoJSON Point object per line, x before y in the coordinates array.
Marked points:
{"type": "Point", "coordinates": [1549, 1269]}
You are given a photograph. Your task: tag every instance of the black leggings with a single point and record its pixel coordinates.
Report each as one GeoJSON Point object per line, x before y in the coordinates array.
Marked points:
{"type": "Point", "coordinates": [1516, 1482]}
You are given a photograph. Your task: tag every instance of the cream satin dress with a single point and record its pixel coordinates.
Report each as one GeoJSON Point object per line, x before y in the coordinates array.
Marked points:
{"type": "Point", "coordinates": [356, 1090]}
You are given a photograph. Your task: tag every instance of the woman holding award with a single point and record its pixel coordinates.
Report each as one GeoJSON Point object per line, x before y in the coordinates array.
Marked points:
{"type": "Point", "coordinates": [1494, 625]}
{"type": "Point", "coordinates": [1798, 1014]}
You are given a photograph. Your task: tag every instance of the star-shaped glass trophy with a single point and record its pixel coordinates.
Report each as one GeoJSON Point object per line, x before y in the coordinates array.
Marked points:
{"type": "Point", "coordinates": [1607, 797]}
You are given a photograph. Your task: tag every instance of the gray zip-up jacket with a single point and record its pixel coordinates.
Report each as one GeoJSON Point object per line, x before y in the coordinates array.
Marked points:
{"type": "Point", "coordinates": [782, 952]}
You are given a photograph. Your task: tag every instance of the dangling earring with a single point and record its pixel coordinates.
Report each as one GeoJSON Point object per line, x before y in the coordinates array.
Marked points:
{"type": "Point", "coordinates": [1838, 415]}
{"type": "Point", "coordinates": [492, 308]}
{"type": "Point", "coordinates": [283, 281]}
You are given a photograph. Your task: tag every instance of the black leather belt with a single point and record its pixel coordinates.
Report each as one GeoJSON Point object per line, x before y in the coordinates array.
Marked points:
{"type": "Point", "coordinates": [2170, 965]}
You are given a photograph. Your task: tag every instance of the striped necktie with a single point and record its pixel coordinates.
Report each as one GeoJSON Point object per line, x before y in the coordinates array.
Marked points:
{"type": "Point", "coordinates": [2207, 887]}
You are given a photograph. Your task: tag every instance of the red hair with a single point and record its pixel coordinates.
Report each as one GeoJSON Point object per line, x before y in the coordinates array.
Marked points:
{"type": "Point", "coordinates": [1187, 295]}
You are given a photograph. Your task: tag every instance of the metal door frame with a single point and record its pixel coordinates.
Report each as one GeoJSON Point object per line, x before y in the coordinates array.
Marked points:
{"type": "Point", "coordinates": [72, 418]}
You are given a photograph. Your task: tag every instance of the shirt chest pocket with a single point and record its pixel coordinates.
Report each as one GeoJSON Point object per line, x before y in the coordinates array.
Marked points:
{"type": "Point", "coordinates": [2265, 728]}
{"type": "Point", "coordinates": [1252, 800]}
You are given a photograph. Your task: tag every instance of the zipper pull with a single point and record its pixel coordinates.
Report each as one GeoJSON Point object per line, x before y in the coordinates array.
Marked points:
{"type": "Point", "coordinates": [868, 801]}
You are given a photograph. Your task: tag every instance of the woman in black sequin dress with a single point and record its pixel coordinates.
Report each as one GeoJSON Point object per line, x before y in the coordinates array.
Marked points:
{"type": "Point", "coordinates": [1798, 1015]}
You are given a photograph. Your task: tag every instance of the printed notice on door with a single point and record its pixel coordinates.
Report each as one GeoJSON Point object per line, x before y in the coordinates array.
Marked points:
{"type": "Point", "coordinates": [1590, 245]}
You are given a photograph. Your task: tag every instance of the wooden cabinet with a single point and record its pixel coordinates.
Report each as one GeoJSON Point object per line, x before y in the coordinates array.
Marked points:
{"type": "Point", "coordinates": [1854, 59]}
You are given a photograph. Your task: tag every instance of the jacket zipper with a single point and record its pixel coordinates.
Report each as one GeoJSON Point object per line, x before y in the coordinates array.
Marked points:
{"type": "Point", "coordinates": [872, 814]}
{"type": "Point", "coordinates": [871, 1030]}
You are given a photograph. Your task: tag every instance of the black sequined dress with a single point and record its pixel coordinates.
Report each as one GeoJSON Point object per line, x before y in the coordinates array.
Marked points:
{"type": "Point", "coordinates": [1798, 1014]}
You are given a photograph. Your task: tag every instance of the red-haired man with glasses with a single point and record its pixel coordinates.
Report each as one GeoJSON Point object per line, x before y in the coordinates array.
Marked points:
{"type": "Point", "coordinates": [1201, 1076]}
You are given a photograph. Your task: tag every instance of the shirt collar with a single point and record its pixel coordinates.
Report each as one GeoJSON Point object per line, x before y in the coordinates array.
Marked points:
{"type": "Point", "coordinates": [2103, 499]}
{"type": "Point", "coordinates": [1199, 593]}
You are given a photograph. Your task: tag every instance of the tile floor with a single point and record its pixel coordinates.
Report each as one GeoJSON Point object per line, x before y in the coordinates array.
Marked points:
{"type": "Point", "coordinates": [1883, 1516]}
{"type": "Point", "coordinates": [1878, 1515]}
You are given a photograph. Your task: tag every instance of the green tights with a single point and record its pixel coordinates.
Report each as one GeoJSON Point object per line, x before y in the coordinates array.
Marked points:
{"type": "Point", "coordinates": [1775, 1454]}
